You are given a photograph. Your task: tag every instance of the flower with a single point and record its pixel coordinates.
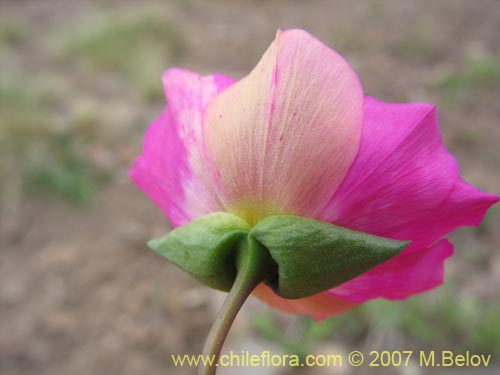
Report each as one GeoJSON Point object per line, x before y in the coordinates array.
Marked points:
{"type": "Point", "coordinates": [297, 136]}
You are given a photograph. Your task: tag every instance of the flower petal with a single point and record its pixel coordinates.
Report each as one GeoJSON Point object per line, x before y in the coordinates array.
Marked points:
{"type": "Point", "coordinates": [282, 139]}
{"type": "Point", "coordinates": [402, 170]}
{"type": "Point", "coordinates": [170, 170]}
{"type": "Point", "coordinates": [400, 277]}
{"type": "Point", "coordinates": [464, 206]}
{"type": "Point", "coordinates": [403, 185]}
{"type": "Point", "coordinates": [320, 306]}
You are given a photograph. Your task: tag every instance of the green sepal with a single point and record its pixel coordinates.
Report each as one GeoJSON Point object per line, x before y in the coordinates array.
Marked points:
{"type": "Point", "coordinates": [301, 256]}
{"type": "Point", "coordinates": [314, 256]}
{"type": "Point", "coordinates": [205, 248]}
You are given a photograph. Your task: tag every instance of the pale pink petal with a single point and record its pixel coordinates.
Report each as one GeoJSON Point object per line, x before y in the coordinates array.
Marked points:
{"type": "Point", "coordinates": [402, 170]}
{"type": "Point", "coordinates": [398, 278]}
{"type": "Point", "coordinates": [171, 169]}
{"type": "Point", "coordinates": [282, 139]}
{"type": "Point", "coordinates": [320, 306]}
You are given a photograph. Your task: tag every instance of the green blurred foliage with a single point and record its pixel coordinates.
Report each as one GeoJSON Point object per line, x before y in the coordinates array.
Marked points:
{"type": "Point", "coordinates": [64, 170]}
{"type": "Point", "coordinates": [439, 320]}
{"type": "Point", "coordinates": [47, 140]}
{"type": "Point", "coordinates": [479, 74]}
{"type": "Point", "coordinates": [138, 45]}
{"type": "Point", "coordinates": [416, 46]}
{"type": "Point", "coordinates": [48, 158]}
{"type": "Point", "coordinates": [11, 33]}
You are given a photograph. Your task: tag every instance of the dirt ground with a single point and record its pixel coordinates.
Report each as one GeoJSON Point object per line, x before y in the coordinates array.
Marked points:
{"type": "Point", "coordinates": [80, 293]}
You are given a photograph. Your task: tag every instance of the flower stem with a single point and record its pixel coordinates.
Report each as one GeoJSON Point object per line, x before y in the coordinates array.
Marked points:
{"type": "Point", "coordinates": [254, 265]}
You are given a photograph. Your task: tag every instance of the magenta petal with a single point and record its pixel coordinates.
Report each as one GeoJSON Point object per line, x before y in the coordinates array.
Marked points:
{"type": "Point", "coordinates": [170, 169]}
{"type": "Point", "coordinates": [157, 170]}
{"type": "Point", "coordinates": [407, 274]}
{"type": "Point", "coordinates": [464, 206]}
{"type": "Point", "coordinates": [404, 185]}
{"type": "Point", "coordinates": [402, 170]}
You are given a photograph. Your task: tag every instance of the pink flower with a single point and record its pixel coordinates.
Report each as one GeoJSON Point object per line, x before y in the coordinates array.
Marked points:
{"type": "Point", "coordinates": [297, 136]}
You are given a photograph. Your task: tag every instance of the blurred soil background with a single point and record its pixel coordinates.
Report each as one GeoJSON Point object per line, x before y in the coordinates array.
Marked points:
{"type": "Point", "coordinates": [80, 293]}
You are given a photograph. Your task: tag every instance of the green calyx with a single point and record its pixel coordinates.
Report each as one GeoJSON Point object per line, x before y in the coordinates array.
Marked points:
{"type": "Point", "coordinates": [297, 257]}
